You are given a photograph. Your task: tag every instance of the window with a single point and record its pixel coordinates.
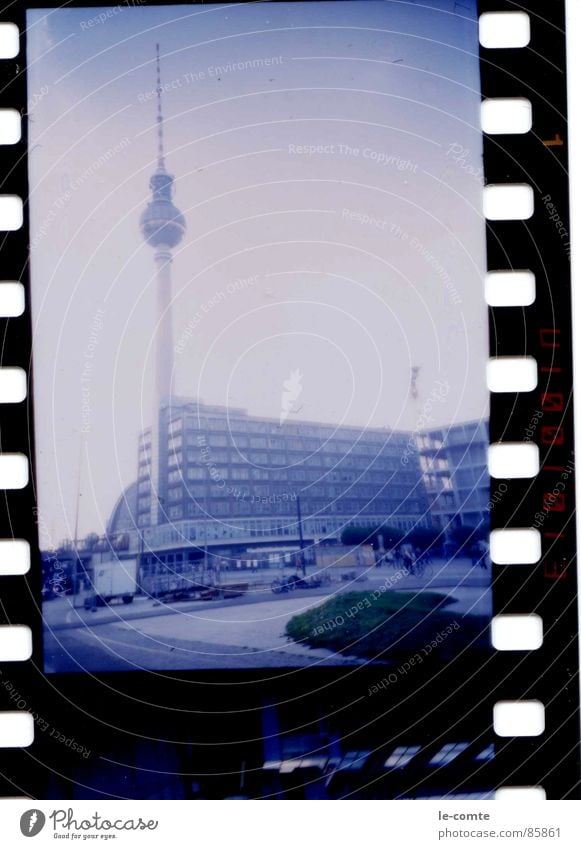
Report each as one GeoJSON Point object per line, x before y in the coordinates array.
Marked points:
{"type": "Point", "coordinates": [240, 474]}
{"type": "Point", "coordinates": [218, 456]}
{"type": "Point", "coordinates": [174, 458]}
{"type": "Point", "coordinates": [259, 474]}
{"type": "Point", "coordinates": [295, 444]}
{"type": "Point", "coordinates": [447, 754]}
{"type": "Point", "coordinates": [196, 473]}
{"type": "Point", "coordinates": [217, 475]}
{"type": "Point", "coordinates": [238, 425]}
{"type": "Point", "coordinates": [143, 486]}
{"type": "Point", "coordinates": [401, 756]}
{"type": "Point", "coordinates": [144, 503]}
{"type": "Point", "coordinates": [175, 493]}
{"type": "Point", "coordinates": [447, 500]}
{"type": "Point", "coordinates": [218, 441]}
{"type": "Point", "coordinates": [320, 492]}
{"type": "Point", "coordinates": [257, 442]}
{"type": "Point", "coordinates": [464, 477]}
{"type": "Point", "coordinates": [486, 754]}
{"type": "Point", "coordinates": [174, 476]}
{"type": "Point", "coordinates": [258, 457]}
{"type": "Point", "coordinates": [175, 512]}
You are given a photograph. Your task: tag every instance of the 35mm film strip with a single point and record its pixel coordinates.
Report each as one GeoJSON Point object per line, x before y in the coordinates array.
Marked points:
{"type": "Point", "coordinates": [293, 724]}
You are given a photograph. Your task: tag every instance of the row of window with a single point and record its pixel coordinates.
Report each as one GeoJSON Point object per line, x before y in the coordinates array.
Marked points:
{"type": "Point", "coordinates": [429, 463]}
{"type": "Point", "coordinates": [211, 446]}
{"type": "Point", "coordinates": [438, 483]}
{"type": "Point", "coordinates": [236, 473]}
{"type": "Point", "coordinates": [341, 464]}
{"type": "Point", "coordinates": [474, 455]}
{"type": "Point", "coordinates": [306, 446]}
{"type": "Point", "coordinates": [469, 477]}
{"type": "Point", "coordinates": [444, 501]}
{"type": "Point", "coordinates": [233, 424]}
{"type": "Point", "coordinates": [326, 439]}
{"type": "Point", "coordinates": [357, 494]}
{"type": "Point", "coordinates": [235, 508]}
{"type": "Point", "coordinates": [320, 527]}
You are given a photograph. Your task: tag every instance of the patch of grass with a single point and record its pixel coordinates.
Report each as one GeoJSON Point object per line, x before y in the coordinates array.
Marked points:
{"type": "Point", "coordinates": [393, 625]}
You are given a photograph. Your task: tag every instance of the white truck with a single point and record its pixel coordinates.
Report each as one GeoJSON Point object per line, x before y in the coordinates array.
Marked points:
{"type": "Point", "coordinates": [112, 579]}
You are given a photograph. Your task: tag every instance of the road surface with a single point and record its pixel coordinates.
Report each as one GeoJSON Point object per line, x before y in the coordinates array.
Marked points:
{"type": "Point", "coordinates": [242, 633]}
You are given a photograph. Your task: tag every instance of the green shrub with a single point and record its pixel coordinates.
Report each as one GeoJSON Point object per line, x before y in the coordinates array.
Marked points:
{"type": "Point", "coordinates": [388, 626]}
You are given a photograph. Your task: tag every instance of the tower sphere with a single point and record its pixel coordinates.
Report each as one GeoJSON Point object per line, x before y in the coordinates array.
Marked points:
{"type": "Point", "coordinates": [162, 224]}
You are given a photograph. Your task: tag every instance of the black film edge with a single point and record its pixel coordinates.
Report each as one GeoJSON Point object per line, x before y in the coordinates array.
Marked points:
{"type": "Point", "coordinates": [542, 330]}
{"type": "Point", "coordinates": [544, 416]}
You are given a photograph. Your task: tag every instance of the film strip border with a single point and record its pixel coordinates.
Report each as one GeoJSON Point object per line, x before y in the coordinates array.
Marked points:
{"type": "Point", "coordinates": [530, 377]}
{"type": "Point", "coordinates": [20, 582]}
{"type": "Point", "coordinates": [531, 458]}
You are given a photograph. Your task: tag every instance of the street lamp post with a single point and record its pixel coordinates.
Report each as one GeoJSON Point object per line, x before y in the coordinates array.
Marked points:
{"type": "Point", "coordinates": [301, 538]}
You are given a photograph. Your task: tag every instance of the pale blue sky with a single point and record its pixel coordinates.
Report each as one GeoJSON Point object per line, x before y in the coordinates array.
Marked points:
{"type": "Point", "coordinates": [362, 268]}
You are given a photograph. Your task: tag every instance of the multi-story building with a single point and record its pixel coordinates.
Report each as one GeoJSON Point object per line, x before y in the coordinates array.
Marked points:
{"type": "Point", "coordinates": [228, 479]}
{"type": "Point", "coordinates": [454, 464]}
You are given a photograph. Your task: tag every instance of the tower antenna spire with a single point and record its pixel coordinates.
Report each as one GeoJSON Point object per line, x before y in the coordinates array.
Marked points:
{"type": "Point", "coordinates": [163, 227]}
{"type": "Point", "coordinates": [160, 151]}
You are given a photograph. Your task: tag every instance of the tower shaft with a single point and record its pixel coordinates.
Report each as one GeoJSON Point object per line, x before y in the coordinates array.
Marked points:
{"type": "Point", "coordinates": [164, 332]}
{"type": "Point", "coordinates": [163, 227]}
{"type": "Point", "coordinates": [163, 384]}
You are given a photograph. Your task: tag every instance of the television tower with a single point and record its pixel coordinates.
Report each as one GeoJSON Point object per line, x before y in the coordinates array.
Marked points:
{"type": "Point", "coordinates": [163, 227]}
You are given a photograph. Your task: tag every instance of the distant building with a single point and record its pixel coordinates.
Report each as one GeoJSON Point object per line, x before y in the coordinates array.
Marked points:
{"type": "Point", "coordinates": [454, 465]}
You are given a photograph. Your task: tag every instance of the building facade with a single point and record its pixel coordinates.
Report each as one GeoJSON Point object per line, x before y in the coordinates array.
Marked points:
{"type": "Point", "coordinates": [453, 461]}
{"type": "Point", "coordinates": [227, 479]}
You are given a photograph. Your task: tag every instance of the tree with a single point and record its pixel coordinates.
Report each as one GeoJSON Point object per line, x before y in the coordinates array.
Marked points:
{"type": "Point", "coordinates": [359, 535]}
{"type": "Point", "coordinates": [464, 537]}
{"type": "Point", "coordinates": [425, 538]}
{"type": "Point", "coordinates": [369, 534]}
{"type": "Point", "coordinates": [392, 536]}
